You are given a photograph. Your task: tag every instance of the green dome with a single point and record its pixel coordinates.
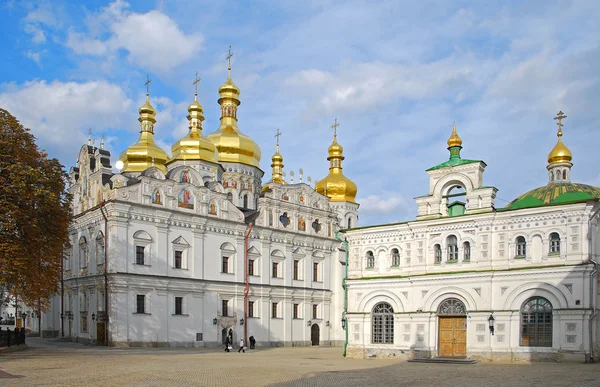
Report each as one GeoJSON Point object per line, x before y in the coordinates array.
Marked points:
{"type": "Point", "coordinates": [555, 193]}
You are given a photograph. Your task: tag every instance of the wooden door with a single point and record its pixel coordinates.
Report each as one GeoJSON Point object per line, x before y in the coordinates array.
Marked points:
{"type": "Point", "coordinates": [314, 334]}
{"type": "Point", "coordinates": [452, 337]}
{"type": "Point", "coordinates": [100, 332]}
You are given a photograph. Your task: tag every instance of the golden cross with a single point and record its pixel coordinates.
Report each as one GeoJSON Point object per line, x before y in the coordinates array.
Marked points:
{"type": "Point", "coordinates": [148, 80]}
{"type": "Point", "coordinates": [559, 117]}
{"type": "Point", "coordinates": [229, 58]}
{"type": "Point", "coordinates": [277, 135]}
{"type": "Point", "coordinates": [195, 83]}
{"type": "Point", "coordinates": [334, 126]}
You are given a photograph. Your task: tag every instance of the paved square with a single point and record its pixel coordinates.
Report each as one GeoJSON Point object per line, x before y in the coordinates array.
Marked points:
{"type": "Point", "coordinates": [66, 364]}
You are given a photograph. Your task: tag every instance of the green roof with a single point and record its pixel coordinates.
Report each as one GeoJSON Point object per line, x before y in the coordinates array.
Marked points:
{"type": "Point", "coordinates": [453, 162]}
{"type": "Point", "coordinates": [555, 193]}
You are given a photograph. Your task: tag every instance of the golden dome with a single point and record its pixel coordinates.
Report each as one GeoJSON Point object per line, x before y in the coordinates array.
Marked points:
{"type": "Point", "coordinates": [194, 146]}
{"type": "Point", "coordinates": [335, 185]}
{"type": "Point", "coordinates": [560, 154]}
{"type": "Point", "coordinates": [232, 145]}
{"type": "Point", "coordinates": [145, 153]}
{"type": "Point", "coordinates": [454, 140]}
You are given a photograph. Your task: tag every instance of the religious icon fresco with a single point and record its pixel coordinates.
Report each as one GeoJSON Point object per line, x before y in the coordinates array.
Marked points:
{"type": "Point", "coordinates": [185, 199]}
{"type": "Point", "coordinates": [185, 177]}
{"type": "Point", "coordinates": [329, 230]}
{"type": "Point", "coordinates": [316, 225]}
{"type": "Point", "coordinates": [301, 224]}
{"type": "Point", "coordinates": [212, 209]}
{"type": "Point", "coordinates": [156, 197]}
{"type": "Point", "coordinates": [285, 197]}
{"type": "Point", "coordinates": [270, 218]}
{"type": "Point", "coordinates": [301, 198]}
{"type": "Point", "coordinates": [284, 219]}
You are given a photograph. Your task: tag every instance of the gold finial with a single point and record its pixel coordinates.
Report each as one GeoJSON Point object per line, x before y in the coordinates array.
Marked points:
{"type": "Point", "coordinates": [334, 126]}
{"type": "Point", "coordinates": [454, 140]}
{"type": "Point", "coordinates": [102, 142]}
{"type": "Point", "coordinates": [148, 80]}
{"type": "Point", "coordinates": [195, 83]}
{"type": "Point", "coordinates": [559, 117]}
{"type": "Point", "coordinates": [230, 54]}
{"type": "Point", "coordinates": [90, 137]}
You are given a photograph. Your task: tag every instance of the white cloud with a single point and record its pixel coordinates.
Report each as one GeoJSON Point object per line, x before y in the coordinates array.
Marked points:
{"type": "Point", "coordinates": [152, 40]}
{"type": "Point", "coordinates": [60, 113]}
{"type": "Point", "coordinates": [34, 56]}
{"type": "Point", "coordinates": [377, 205]}
{"type": "Point", "coordinates": [37, 19]}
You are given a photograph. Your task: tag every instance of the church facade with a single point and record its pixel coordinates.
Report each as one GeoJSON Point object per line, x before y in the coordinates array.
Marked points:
{"type": "Point", "coordinates": [465, 279]}
{"type": "Point", "coordinates": [193, 249]}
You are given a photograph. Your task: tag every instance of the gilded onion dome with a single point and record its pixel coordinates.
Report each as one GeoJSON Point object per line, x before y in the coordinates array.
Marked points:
{"type": "Point", "coordinates": [454, 140]}
{"type": "Point", "coordinates": [145, 153]}
{"type": "Point", "coordinates": [194, 146]}
{"type": "Point", "coordinates": [560, 153]}
{"type": "Point", "coordinates": [232, 145]}
{"type": "Point", "coordinates": [335, 185]}
{"type": "Point", "coordinates": [277, 167]}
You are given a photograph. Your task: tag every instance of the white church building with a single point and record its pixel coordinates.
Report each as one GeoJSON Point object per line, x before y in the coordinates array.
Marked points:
{"type": "Point", "coordinates": [188, 249]}
{"type": "Point", "coordinates": [465, 279]}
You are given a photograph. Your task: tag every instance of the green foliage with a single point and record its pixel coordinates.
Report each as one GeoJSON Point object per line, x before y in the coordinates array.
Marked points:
{"type": "Point", "coordinates": [34, 215]}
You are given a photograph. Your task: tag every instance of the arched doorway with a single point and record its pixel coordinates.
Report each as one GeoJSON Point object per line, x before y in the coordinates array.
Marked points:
{"type": "Point", "coordinates": [224, 336]}
{"type": "Point", "coordinates": [314, 334]}
{"type": "Point", "coordinates": [452, 323]}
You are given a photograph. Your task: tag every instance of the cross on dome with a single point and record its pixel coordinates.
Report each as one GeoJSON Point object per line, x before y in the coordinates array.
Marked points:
{"type": "Point", "coordinates": [148, 80]}
{"type": "Point", "coordinates": [559, 117]}
{"type": "Point", "coordinates": [334, 126]}
{"type": "Point", "coordinates": [195, 83]}
{"type": "Point", "coordinates": [229, 56]}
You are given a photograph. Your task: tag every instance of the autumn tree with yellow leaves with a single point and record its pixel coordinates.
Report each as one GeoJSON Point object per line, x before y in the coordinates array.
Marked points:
{"type": "Point", "coordinates": [34, 216]}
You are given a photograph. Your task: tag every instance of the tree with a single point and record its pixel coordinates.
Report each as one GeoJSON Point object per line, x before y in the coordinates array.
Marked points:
{"type": "Point", "coordinates": [35, 213]}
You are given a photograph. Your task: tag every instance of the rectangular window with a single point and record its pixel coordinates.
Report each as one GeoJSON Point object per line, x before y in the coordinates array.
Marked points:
{"type": "Point", "coordinates": [250, 308]}
{"type": "Point", "coordinates": [140, 304]}
{"type": "Point", "coordinates": [296, 269]}
{"type": "Point", "coordinates": [315, 311]}
{"type": "Point", "coordinates": [315, 271]}
{"type": "Point", "coordinates": [224, 309]}
{"type": "Point", "coordinates": [251, 267]}
{"type": "Point", "coordinates": [275, 271]}
{"type": "Point", "coordinates": [225, 265]}
{"type": "Point", "coordinates": [274, 310]}
{"type": "Point", "coordinates": [296, 310]}
{"type": "Point", "coordinates": [84, 323]}
{"type": "Point", "coordinates": [178, 305]}
{"type": "Point", "coordinates": [139, 255]}
{"type": "Point", "coordinates": [178, 256]}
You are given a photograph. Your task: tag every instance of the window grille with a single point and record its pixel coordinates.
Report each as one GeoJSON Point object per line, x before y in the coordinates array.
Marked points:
{"type": "Point", "coordinates": [139, 255]}
{"type": "Point", "coordinates": [554, 243]}
{"type": "Point", "coordinates": [178, 305]}
{"type": "Point", "coordinates": [382, 324]}
{"type": "Point", "coordinates": [452, 248]}
{"type": "Point", "coordinates": [140, 303]}
{"type": "Point", "coordinates": [521, 246]}
{"type": "Point", "coordinates": [536, 323]}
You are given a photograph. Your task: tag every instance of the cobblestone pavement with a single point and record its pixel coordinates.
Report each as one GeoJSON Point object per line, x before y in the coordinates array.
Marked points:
{"type": "Point", "coordinates": [65, 364]}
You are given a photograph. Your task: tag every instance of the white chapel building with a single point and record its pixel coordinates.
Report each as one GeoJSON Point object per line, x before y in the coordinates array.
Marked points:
{"type": "Point", "coordinates": [467, 279]}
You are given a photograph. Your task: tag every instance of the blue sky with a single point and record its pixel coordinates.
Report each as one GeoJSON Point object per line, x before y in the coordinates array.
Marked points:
{"type": "Point", "coordinates": [396, 74]}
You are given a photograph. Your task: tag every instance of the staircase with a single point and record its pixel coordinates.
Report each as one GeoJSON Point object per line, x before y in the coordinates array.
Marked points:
{"type": "Point", "coordinates": [444, 360]}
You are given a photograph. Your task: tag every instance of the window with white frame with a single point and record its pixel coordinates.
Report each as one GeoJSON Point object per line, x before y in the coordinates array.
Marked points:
{"type": "Point", "coordinates": [68, 258]}
{"type": "Point", "coordinates": [140, 255]}
{"type": "Point", "coordinates": [316, 275]}
{"type": "Point", "coordinates": [250, 266]}
{"type": "Point", "coordinates": [274, 309]}
{"type": "Point", "coordinates": [554, 243]}
{"type": "Point", "coordinates": [315, 311]}
{"type": "Point", "coordinates": [536, 323]}
{"type": "Point", "coordinates": [296, 311]}
{"type": "Point", "coordinates": [100, 248]}
{"type": "Point", "coordinates": [452, 248]}
{"type": "Point", "coordinates": [253, 257]}
{"type": "Point", "coordinates": [296, 269]}
{"type": "Point", "coordinates": [224, 264]}
{"type": "Point", "coordinates": [466, 251]}
{"type": "Point", "coordinates": [180, 251]}
{"type": "Point", "coordinates": [83, 252]}
{"type": "Point", "coordinates": [382, 324]}
{"type": "Point", "coordinates": [277, 258]}
{"type": "Point", "coordinates": [275, 269]}
{"type": "Point", "coordinates": [225, 308]}
{"type": "Point", "coordinates": [395, 257]}
{"type": "Point", "coordinates": [178, 259]}
{"type": "Point", "coordinates": [370, 260]}
{"type": "Point", "coordinates": [140, 303]}
{"type": "Point", "coordinates": [142, 242]}
{"type": "Point", "coordinates": [179, 305]}
{"type": "Point", "coordinates": [521, 246]}
{"type": "Point", "coordinates": [250, 308]}
{"type": "Point", "coordinates": [227, 260]}
{"type": "Point", "coordinates": [437, 251]}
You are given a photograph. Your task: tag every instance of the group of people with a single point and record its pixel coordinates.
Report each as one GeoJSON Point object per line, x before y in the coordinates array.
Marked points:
{"type": "Point", "coordinates": [229, 343]}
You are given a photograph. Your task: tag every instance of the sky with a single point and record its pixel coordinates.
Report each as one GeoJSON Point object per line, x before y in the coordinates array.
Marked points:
{"type": "Point", "coordinates": [396, 74]}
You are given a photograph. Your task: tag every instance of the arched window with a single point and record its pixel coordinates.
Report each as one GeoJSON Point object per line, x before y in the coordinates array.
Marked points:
{"type": "Point", "coordinates": [536, 323]}
{"type": "Point", "coordinates": [382, 328]}
{"type": "Point", "coordinates": [395, 257]}
{"type": "Point", "coordinates": [349, 222]}
{"type": "Point", "coordinates": [521, 246]}
{"type": "Point", "coordinates": [245, 201]}
{"type": "Point", "coordinates": [551, 176]}
{"type": "Point", "coordinates": [370, 260]}
{"type": "Point", "coordinates": [83, 252]}
{"type": "Point", "coordinates": [466, 251]}
{"type": "Point", "coordinates": [554, 243]}
{"type": "Point", "coordinates": [100, 248]}
{"type": "Point", "coordinates": [230, 196]}
{"type": "Point", "coordinates": [557, 175]}
{"type": "Point", "coordinates": [456, 200]}
{"type": "Point", "coordinates": [564, 174]}
{"type": "Point", "coordinates": [452, 307]}
{"type": "Point", "coordinates": [452, 248]}
{"type": "Point", "coordinates": [438, 253]}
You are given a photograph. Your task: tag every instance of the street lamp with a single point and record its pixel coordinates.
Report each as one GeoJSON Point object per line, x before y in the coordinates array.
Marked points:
{"type": "Point", "coordinates": [309, 323]}
{"type": "Point", "coordinates": [93, 316]}
{"type": "Point", "coordinates": [241, 321]}
{"type": "Point", "coordinates": [215, 321]}
{"type": "Point", "coordinates": [327, 323]}
{"type": "Point", "coordinates": [491, 320]}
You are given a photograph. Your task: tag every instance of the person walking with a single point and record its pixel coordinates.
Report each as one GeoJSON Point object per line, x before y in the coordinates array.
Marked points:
{"type": "Point", "coordinates": [227, 344]}
{"type": "Point", "coordinates": [241, 346]}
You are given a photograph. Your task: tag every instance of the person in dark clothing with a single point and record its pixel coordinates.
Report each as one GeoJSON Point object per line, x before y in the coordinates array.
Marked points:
{"type": "Point", "coordinates": [227, 344]}
{"type": "Point", "coordinates": [252, 342]}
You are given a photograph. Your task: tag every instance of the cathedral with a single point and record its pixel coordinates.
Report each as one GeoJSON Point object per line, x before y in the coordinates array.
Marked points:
{"type": "Point", "coordinates": [468, 280]}
{"type": "Point", "coordinates": [195, 249]}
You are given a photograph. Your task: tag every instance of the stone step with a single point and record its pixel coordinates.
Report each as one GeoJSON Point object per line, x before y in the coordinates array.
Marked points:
{"type": "Point", "coordinates": [444, 360]}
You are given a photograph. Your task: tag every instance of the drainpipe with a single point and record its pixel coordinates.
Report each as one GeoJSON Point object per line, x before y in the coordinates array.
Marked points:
{"type": "Point", "coordinates": [592, 276]}
{"type": "Point", "coordinates": [102, 208]}
{"type": "Point", "coordinates": [345, 291]}
{"type": "Point", "coordinates": [247, 290]}
{"type": "Point", "coordinates": [62, 300]}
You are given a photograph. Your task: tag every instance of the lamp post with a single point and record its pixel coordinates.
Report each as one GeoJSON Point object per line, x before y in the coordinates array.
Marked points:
{"type": "Point", "coordinates": [215, 321]}
{"type": "Point", "coordinates": [241, 322]}
{"type": "Point", "coordinates": [491, 320]}
{"type": "Point", "coordinates": [344, 321]}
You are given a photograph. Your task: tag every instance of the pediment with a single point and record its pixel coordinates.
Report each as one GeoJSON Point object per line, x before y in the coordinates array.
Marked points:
{"type": "Point", "coordinates": [180, 241]}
